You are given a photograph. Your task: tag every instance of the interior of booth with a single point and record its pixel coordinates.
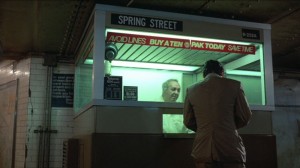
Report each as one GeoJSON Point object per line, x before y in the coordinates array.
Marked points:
{"type": "Point", "coordinates": [145, 60]}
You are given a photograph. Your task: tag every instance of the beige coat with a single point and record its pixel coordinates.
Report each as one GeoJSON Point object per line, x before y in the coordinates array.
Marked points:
{"type": "Point", "coordinates": [215, 109]}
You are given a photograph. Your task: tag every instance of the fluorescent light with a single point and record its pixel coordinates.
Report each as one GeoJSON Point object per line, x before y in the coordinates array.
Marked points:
{"type": "Point", "coordinates": [132, 64]}
{"type": "Point", "coordinates": [148, 65]}
{"type": "Point", "coordinates": [153, 66]}
{"type": "Point", "coordinates": [244, 73]}
{"type": "Point", "coordinates": [88, 61]}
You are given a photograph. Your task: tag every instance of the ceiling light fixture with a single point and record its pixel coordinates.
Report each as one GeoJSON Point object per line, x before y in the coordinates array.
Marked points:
{"type": "Point", "coordinates": [243, 73]}
{"type": "Point", "coordinates": [131, 64]}
{"type": "Point", "coordinates": [154, 66]}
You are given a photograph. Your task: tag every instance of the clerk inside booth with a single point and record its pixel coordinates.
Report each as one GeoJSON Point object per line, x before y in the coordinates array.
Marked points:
{"type": "Point", "coordinates": [151, 47]}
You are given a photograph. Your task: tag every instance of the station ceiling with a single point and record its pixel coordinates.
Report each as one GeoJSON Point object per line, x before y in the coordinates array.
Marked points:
{"type": "Point", "coordinates": [54, 27]}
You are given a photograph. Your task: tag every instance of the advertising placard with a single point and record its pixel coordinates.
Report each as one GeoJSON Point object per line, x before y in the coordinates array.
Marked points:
{"type": "Point", "coordinates": [147, 40]}
{"type": "Point", "coordinates": [179, 43]}
{"type": "Point", "coordinates": [222, 47]}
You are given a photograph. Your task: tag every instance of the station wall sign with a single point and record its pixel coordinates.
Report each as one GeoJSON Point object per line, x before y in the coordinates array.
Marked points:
{"type": "Point", "coordinates": [62, 90]}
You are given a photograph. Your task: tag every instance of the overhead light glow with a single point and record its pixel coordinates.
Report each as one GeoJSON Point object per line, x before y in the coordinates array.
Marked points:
{"type": "Point", "coordinates": [88, 61]}
{"type": "Point", "coordinates": [153, 66]}
{"type": "Point", "coordinates": [132, 64]}
{"type": "Point", "coordinates": [244, 73]}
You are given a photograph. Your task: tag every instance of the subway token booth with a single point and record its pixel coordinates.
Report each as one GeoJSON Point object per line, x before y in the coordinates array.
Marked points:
{"type": "Point", "coordinates": [127, 54]}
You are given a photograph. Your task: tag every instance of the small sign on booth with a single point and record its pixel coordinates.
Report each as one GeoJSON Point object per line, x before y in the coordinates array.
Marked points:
{"type": "Point", "coordinates": [113, 87]}
{"type": "Point", "coordinates": [131, 93]}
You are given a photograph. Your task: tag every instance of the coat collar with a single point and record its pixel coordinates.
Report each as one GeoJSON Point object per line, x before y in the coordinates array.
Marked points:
{"type": "Point", "coordinates": [212, 75]}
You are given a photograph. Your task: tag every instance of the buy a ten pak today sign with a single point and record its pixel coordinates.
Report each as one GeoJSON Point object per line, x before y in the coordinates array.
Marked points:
{"type": "Point", "coordinates": [179, 43]}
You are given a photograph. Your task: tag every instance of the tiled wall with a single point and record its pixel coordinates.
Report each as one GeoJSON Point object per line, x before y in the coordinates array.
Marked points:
{"type": "Point", "coordinates": [62, 121]}
{"type": "Point", "coordinates": [61, 118]}
{"type": "Point", "coordinates": [285, 116]}
{"type": "Point", "coordinates": [18, 70]}
{"type": "Point", "coordinates": [32, 87]}
{"type": "Point", "coordinates": [36, 108]}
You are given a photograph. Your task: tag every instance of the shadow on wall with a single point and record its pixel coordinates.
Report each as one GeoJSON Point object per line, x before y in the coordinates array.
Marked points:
{"type": "Point", "coordinates": [286, 119]}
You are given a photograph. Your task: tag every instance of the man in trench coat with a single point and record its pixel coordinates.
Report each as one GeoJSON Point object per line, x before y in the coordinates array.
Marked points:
{"type": "Point", "coordinates": [215, 108]}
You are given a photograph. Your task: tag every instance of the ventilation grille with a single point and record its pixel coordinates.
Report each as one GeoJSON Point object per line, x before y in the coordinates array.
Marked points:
{"type": "Point", "coordinates": [70, 153]}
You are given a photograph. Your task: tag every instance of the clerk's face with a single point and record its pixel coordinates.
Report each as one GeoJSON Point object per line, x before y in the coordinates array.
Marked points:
{"type": "Point", "coordinates": [172, 93]}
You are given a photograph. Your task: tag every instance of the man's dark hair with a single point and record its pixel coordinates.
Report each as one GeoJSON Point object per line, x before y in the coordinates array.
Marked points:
{"type": "Point", "coordinates": [212, 66]}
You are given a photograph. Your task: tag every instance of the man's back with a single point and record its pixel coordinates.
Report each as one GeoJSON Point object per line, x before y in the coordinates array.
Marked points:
{"type": "Point", "coordinates": [213, 101]}
{"type": "Point", "coordinates": [213, 106]}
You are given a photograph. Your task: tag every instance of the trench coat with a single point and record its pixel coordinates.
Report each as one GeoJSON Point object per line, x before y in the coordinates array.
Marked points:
{"type": "Point", "coordinates": [215, 108]}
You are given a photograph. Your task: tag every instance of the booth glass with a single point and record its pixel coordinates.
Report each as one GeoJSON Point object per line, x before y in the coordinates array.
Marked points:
{"type": "Point", "coordinates": [124, 63]}
{"type": "Point", "coordinates": [146, 60]}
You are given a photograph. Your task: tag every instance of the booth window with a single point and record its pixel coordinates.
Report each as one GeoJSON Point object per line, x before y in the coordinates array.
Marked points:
{"type": "Point", "coordinates": [146, 60]}
{"type": "Point", "coordinates": [83, 73]}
